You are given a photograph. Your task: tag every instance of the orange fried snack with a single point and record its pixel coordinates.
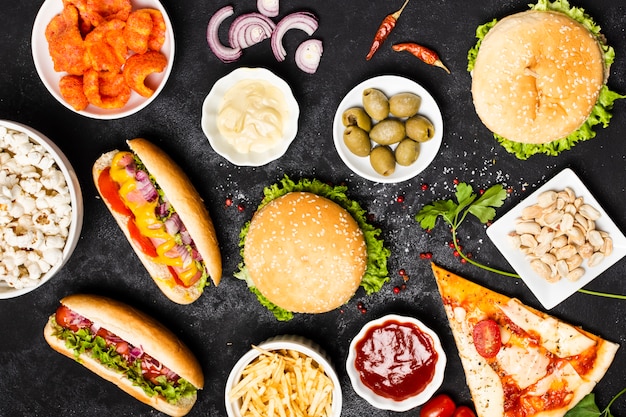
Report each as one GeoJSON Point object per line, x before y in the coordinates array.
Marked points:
{"type": "Point", "coordinates": [96, 84]}
{"type": "Point", "coordinates": [96, 12]}
{"type": "Point", "coordinates": [157, 36]}
{"type": "Point", "coordinates": [137, 31]}
{"type": "Point", "coordinates": [105, 46]}
{"type": "Point", "coordinates": [72, 91]}
{"type": "Point", "coordinates": [139, 66]}
{"type": "Point", "coordinates": [65, 43]}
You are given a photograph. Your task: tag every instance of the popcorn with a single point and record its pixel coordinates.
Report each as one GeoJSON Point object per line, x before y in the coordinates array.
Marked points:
{"type": "Point", "coordinates": [35, 210]}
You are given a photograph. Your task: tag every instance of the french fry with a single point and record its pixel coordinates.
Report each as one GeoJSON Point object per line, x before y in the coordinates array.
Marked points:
{"type": "Point", "coordinates": [283, 383]}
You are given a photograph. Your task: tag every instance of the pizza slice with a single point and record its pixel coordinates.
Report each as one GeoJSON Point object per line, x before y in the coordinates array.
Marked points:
{"type": "Point", "coordinates": [518, 361]}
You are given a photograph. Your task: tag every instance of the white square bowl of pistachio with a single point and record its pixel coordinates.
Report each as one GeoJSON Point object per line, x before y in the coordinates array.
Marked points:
{"type": "Point", "coordinates": [558, 239]}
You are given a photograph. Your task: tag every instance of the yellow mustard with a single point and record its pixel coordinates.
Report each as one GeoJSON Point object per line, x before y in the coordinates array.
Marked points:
{"type": "Point", "coordinates": [147, 222]}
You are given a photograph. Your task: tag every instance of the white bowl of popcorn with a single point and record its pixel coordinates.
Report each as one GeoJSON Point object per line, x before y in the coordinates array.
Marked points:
{"type": "Point", "coordinates": [41, 209]}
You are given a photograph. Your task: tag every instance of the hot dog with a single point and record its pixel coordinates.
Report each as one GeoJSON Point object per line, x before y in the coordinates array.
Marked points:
{"type": "Point", "coordinates": [162, 216]}
{"type": "Point", "coordinates": [128, 348]}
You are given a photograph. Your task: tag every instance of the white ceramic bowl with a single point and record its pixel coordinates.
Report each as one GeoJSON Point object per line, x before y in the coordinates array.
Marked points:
{"type": "Point", "coordinates": [389, 85]}
{"type": "Point", "coordinates": [291, 342]}
{"type": "Point", "coordinates": [385, 403]}
{"type": "Point", "coordinates": [550, 294]}
{"type": "Point", "coordinates": [50, 78]}
{"type": "Point", "coordinates": [76, 199]}
{"type": "Point", "coordinates": [211, 107]}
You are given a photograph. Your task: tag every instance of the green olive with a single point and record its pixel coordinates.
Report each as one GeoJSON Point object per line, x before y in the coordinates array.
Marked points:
{"type": "Point", "coordinates": [382, 160]}
{"type": "Point", "coordinates": [404, 104]}
{"type": "Point", "coordinates": [419, 128]}
{"type": "Point", "coordinates": [357, 140]}
{"type": "Point", "coordinates": [388, 132]}
{"type": "Point", "coordinates": [407, 152]}
{"type": "Point", "coordinates": [375, 103]}
{"type": "Point", "coordinates": [356, 116]}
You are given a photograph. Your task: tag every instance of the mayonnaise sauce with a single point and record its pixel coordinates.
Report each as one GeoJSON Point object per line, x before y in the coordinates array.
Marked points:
{"type": "Point", "coordinates": [251, 116]}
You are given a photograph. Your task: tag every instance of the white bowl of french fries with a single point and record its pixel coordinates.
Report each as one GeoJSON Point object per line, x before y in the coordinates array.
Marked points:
{"type": "Point", "coordinates": [283, 376]}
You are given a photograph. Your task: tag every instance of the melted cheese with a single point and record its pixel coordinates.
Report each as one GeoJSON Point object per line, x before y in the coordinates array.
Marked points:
{"type": "Point", "coordinates": [526, 365]}
{"type": "Point", "coordinates": [560, 338]}
{"type": "Point", "coordinates": [563, 376]}
{"type": "Point", "coordinates": [148, 223]}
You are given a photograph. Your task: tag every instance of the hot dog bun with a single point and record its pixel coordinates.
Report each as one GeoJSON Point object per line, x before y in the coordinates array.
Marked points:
{"type": "Point", "coordinates": [190, 208]}
{"type": "Point", "coordinates": [537, 76]}
{"type": "Point", "coordinates": [138, 329]}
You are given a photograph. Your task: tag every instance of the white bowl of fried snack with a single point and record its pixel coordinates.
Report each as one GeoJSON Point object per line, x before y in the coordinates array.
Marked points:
{"type": "Point", "coordinates": [285, 375]}
{"type": "Point", "coordinates": [41, 209]}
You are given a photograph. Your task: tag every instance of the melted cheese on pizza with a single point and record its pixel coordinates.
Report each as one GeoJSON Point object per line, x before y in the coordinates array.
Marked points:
{"type": "Point", "coordinates": [559, 338]}
{"type": "Point", "coordinates": [526, 365]}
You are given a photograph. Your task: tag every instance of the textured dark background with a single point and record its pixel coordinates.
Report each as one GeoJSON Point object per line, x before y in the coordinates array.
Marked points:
{"type": "Point", "coordinates": [221, 325]}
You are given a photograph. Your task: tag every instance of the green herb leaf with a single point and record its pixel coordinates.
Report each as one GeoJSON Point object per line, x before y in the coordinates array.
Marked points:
{"type": "Point", "coordinates": [484, 207]}
{"type": "Point", "coordinates": [585, 408]}
{"type": "Point", "coordinates": [427, 216]}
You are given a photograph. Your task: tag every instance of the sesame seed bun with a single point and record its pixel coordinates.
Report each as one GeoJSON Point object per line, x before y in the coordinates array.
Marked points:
{"type": "Point", "coordinates": [537, 76]}
{"type": "Point", "coordinates": [305, 253]}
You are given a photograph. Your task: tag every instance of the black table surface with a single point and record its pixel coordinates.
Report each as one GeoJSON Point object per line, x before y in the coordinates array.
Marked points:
{"type": "Point", "coordinates": [226, 320]}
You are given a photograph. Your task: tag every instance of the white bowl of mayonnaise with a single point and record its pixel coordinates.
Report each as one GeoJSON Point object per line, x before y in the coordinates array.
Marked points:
{"type": "Point", "coordinates": [250, 116]}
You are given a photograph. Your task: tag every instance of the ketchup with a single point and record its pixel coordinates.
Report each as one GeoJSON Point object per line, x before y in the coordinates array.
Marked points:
{"type": "Point", "coordinates": [396, 360]}
{"type": "Point", "coordinates": [110, 192]}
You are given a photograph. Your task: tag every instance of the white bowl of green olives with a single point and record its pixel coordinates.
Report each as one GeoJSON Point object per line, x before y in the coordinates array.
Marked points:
{"type": "Point", "coordinates": [388, 129]}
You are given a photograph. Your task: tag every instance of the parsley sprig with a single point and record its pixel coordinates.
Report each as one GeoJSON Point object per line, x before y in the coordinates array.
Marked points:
{"type": "Point", "coordinates": [454, 213]}
{"type": "Point", "coordinates": [587, 407]}
{"type": "Point", "coordinates": [482, 207]}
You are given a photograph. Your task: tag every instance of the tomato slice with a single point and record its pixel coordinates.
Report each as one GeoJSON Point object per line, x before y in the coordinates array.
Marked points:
{"type": "Point", "coordinates": [142, 241]}
{"type": "Point", "coordinates": [487, 338]}
{"type": "Point", "coordinates": [110, 192]}
{"type": "Point", "coordinates": [67, 319]}
{"type": "Point", "coordinates": [439, 406]}
{"type": "Point", "coordinates": [463, 411]}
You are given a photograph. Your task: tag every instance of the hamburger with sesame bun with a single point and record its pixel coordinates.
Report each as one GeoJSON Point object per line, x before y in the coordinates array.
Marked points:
{"type": "Point", "coordinates": [308, 248]}
{"type": "Point", "coordinates": [539, 78]}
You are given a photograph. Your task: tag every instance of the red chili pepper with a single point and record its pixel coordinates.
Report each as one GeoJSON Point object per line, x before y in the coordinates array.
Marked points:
{"type": "Point", "coordinates": [385, 28]}
{"type": "Point", "coordinates": [423, 53]}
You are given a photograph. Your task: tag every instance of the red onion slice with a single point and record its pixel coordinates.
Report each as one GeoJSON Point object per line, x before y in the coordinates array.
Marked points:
{"type": "Point", "coordinates": [267, 7]}
{"type": "Point", "coordinates": [299, 20]}
{"type": "Point", "coordinates": [225, 53]}
{"type": "Point", "coordinates": [249, 29]}
{"type": "Point", "coordinates": [308, 55]}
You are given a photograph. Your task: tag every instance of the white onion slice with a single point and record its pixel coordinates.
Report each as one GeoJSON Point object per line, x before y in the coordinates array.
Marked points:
{"type": "Point", "coordinates": [225, 53]}
{"type": "Point", "coordinates": [249, 29]}
{"type": "Point", "coordinates": [298, 20]}
{"type": "Point", "coordinates": [267, 7]}
{"type": "Point", "coordinates": [308, 55]}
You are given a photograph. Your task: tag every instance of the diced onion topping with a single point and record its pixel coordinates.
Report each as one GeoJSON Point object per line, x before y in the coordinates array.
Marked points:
{"type": "Point", "coordinates": [225, 53]}
{"type": "Point", "coordinates": [308, 55]}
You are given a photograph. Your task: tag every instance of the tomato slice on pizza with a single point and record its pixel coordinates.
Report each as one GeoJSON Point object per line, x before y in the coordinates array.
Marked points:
{"type": "Point", "coordinates": [519, 361]}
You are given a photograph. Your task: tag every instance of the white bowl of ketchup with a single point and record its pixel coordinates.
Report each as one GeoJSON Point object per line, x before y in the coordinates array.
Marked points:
{"type": "Point", "coordinates": [396, 363]}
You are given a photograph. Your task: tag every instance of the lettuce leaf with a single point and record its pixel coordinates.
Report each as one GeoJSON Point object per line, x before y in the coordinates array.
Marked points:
{"type": "Point", "coordinates": [376, 272]}
{"type": "Point", "coordinates": [600, 114]}
{"type": "Point", "coordinates": [84, 341]}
